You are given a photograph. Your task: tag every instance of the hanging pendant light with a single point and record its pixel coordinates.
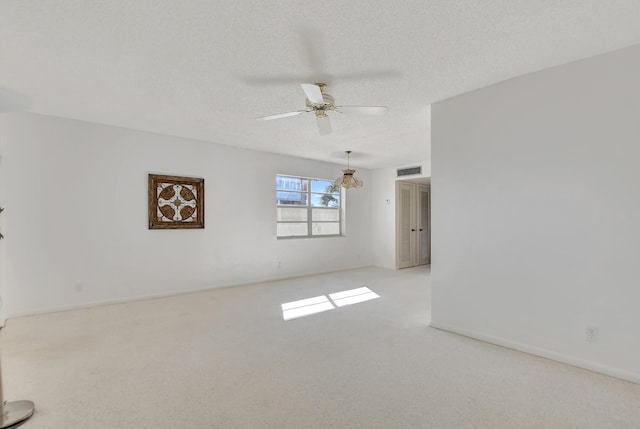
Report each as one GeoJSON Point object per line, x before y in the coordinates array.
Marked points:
{"type": "Point", "coordinates": [348, 180]}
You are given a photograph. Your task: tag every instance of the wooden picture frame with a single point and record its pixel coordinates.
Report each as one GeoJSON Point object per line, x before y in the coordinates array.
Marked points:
{"type": "Point", "coordinates": [176, 202]}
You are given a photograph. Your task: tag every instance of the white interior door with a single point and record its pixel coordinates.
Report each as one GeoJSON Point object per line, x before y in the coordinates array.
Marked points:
{"type": "Point", "coordinates": [406, 236]}
{"type": "Point", "coordinates": [2, 265]}
{"type": "Point", "coordinates": [413, 228]}
{"type": "Point", "coordinates": [424, 232]}
{"type": "Point", "coordinates": [3, 182]}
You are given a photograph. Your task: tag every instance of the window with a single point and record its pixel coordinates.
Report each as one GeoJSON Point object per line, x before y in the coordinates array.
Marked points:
{"type": "Point", "coordinates": [308, 207]}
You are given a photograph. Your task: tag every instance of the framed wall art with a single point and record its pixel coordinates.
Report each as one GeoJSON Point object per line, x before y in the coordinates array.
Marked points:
{"type": "Point", "coordinates": [176, 202]}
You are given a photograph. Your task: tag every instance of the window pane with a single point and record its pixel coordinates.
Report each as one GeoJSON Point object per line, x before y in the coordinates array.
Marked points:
{"type": "Point", "coordinates": [324, 186]}
{"type": "Point", "coordinates": [292, 229]}
{"type": "Point", "coordinates": [325, 200]}
{"type": "Point", "coordinates": [325, 215]}
{"type": "Point", "coordinates": [291, 198]}
{"type": "Point", "coordinates": [292, 214]}
{"type": "Point", "coordinates": [328, 228]}
{"type": "Point", "coordinates": [291, 183]}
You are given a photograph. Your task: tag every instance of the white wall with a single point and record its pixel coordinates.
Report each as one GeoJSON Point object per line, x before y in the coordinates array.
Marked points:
{"type": "Point", "coordinates": [536, 213]}
{"type": "Point", "coordinates": [383, 217]}
{"type": "Point", "coordinates": [76, 219]}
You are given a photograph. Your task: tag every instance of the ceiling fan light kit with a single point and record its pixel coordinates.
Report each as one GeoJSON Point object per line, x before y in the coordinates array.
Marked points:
{"type": "Point", "coordinates": [319, 103]}
{"type": "Point", "coordinates": [348, 180]}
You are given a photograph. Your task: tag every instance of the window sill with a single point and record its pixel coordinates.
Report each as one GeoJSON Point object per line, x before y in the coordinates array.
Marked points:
{"type": "Point", "coordinates": [295, 237]}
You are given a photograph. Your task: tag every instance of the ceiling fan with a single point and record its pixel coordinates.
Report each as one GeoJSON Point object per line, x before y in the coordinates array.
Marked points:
{"type": "Point", "coordinates": [319, 103]}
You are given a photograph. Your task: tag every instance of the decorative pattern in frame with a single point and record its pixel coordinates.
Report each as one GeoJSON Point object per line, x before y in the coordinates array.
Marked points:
{"type": "Point", "coordinates": [175, 202]}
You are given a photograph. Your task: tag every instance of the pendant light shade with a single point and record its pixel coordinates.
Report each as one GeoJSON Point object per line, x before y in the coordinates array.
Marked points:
{"type": "Point", "coordinates": [348, 180]}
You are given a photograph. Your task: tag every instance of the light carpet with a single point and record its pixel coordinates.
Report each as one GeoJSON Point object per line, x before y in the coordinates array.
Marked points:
{"type": "Point", "coordinates": [226, 359]}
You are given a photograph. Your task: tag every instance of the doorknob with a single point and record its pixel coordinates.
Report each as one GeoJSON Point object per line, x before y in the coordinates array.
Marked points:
{"type": "Point", "coordinates": [420, 229]}
{"type": "Point", "coordinates": [412, 229]}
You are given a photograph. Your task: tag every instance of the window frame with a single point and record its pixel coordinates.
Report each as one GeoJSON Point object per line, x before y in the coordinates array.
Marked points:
{"type": "Point", "coordinates": [310, 207]}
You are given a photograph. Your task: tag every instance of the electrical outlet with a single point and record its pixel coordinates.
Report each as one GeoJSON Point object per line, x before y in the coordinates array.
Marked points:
{"type": "Point", "coordinates": [592, 334]}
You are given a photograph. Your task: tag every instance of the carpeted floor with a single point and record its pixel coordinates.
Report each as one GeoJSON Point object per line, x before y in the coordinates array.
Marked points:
{"type": "Point", "coordinates": [227, 359]}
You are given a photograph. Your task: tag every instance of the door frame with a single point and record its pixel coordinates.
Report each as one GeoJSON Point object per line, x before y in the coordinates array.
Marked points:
{"type": "Point", "coordinates": [417, 187]}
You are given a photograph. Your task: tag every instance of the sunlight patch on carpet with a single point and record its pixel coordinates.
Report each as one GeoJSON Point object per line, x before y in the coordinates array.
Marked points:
{"type": "Point", "coordinates": [305, 307]}
{"type": "Point", "coordinates": [319, 304]}
{"type": "Point", "coordinates": [353, 296]}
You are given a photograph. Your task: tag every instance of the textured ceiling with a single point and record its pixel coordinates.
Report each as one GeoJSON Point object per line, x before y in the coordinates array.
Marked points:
{"type": "Point", "coordinates": [205, 69]}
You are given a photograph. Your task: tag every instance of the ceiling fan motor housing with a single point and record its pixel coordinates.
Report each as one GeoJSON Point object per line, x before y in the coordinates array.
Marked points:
{"type": "Point", "coordinates": [329, 103]}
{"type": "Point", "coordinates": [320, 109]}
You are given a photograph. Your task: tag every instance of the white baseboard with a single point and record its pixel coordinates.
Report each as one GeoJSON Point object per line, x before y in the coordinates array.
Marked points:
{"type": "Point", "coordinates": [549, 354]}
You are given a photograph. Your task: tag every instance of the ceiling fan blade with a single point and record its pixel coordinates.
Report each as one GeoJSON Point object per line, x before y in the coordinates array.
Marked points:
{"type": "Point", "coordinates": [363, 110]}
{"type": "Point", "coordinates": [324, 125]}
{"type": "Point", "coordinates": [280, 115]}
{"type": "Point", "coordinates": [313, 93]}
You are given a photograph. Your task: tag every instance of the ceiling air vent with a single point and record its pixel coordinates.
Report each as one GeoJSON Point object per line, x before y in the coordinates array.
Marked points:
{"type": "Point", "coordinates": [409, 171]}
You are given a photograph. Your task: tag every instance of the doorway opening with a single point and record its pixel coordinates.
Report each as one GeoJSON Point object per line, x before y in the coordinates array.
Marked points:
{"type": "Point", "coordinates": [413, 222]}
